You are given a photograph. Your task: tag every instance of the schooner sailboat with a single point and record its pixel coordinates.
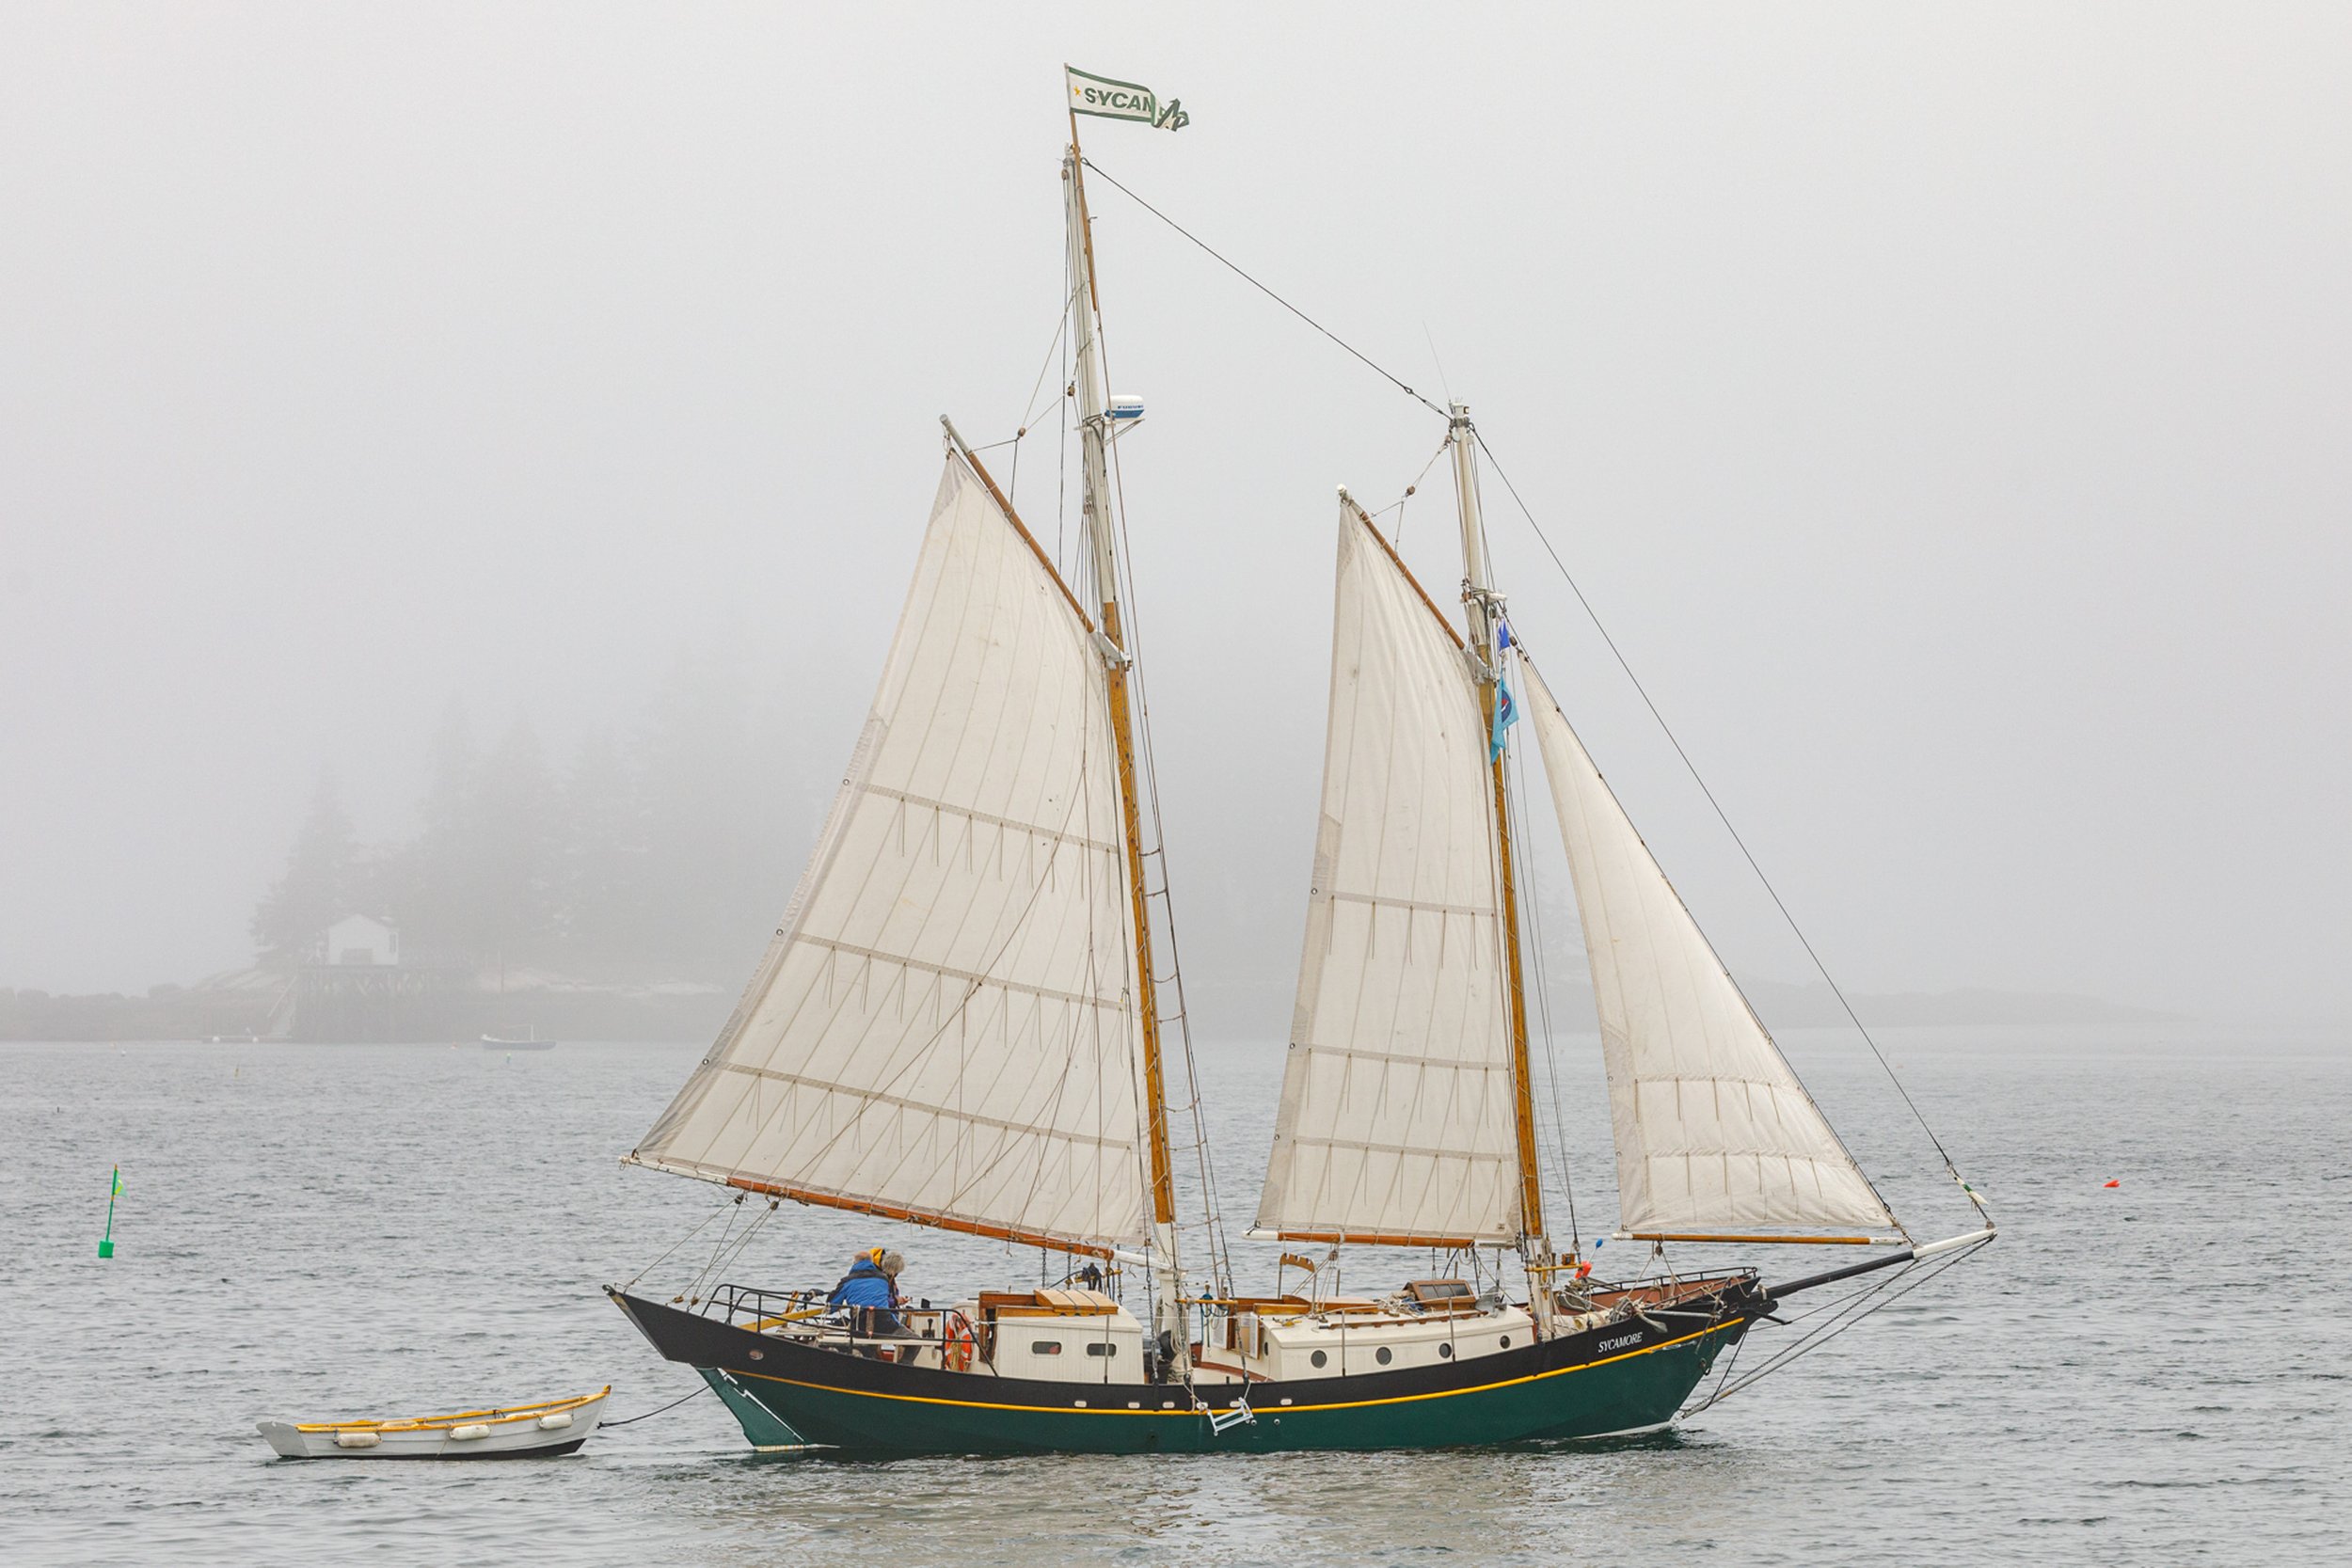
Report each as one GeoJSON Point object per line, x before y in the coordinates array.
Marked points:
{"type": "Point", "coordinates": [957, 1025]}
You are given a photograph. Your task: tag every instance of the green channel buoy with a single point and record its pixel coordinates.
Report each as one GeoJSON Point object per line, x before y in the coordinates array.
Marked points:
{"type": "Point", "coordinates": [113, 1190]}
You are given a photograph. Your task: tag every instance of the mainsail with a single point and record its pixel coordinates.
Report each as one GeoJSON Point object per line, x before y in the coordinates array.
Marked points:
{"type": "Point", "coordinates": [1396, 1118]}
{"type": "Point", "coordinates": [944, 1029]}
{"type": "Point", "coordinates": [1713, 1131]}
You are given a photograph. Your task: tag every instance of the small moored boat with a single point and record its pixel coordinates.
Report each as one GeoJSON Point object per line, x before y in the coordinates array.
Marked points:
{"type": "Point", "coordinates": [510, 1431]}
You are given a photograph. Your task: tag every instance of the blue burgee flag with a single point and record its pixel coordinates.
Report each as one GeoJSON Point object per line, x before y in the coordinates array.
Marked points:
{"type": "Point", "coordinates": [1506, 715]}
{"type": "Point", "coordinates": [1502, 634]}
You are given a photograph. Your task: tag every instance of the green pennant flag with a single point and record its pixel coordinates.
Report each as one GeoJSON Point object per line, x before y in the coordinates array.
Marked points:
{"type": "Point", "coordinates": [1108, 100]}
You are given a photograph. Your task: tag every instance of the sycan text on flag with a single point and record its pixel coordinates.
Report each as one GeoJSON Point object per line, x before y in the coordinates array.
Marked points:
{"type": "Point", "coordinates": [1107, 99]}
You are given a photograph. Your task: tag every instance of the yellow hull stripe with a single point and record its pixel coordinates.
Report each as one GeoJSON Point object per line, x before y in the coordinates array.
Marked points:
{"type": "Point", "coordinates": [1292, 1409]}
{"type": "Point", "coordinates": [487, 1418]}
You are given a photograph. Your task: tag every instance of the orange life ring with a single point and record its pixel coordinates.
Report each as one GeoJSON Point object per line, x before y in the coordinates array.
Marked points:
{"type": "Point", "coordinates": [957, 1342]}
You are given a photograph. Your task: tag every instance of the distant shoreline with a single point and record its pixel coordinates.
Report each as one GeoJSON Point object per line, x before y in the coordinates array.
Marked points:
{"type": "Point", "coordinates": [583, 1011]}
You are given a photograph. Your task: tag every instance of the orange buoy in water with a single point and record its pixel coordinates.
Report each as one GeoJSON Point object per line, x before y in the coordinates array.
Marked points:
{"type": "Point", "coordinates": [2115, 1183]}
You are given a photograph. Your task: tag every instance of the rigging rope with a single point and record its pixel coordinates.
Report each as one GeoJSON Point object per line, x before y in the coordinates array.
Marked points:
{"type": "Point", "coordinates": [626, 1420]}
{"type": "Point", "coordinates": [1028, 410]}
{"type": "Point", "coordinates": [1836, 989]}
{"type": "Point", "coordinates": [1844, 1314]}
{"type": "Point", "coordinates": [1221, 1263]}
{"type": "Point", "coordinates": [674, 1245]}
{"type": "Point", "coordinates": [1517, 758]}
{"type": "Point", "coordinates": [1723, 816]}
{"type": "Point", "coordinates": [1278, 299]}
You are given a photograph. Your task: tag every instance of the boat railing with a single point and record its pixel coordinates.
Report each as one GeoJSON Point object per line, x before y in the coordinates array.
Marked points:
{"type": "Point", "coordinates": [924, 1328]}
{"type": "Point", "coordinates": [764, 1308]}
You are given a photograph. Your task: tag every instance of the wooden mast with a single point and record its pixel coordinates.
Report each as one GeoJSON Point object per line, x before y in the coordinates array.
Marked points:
{"type": "Point", "coordinates": [1479, 600]}
{"type": "Point", "coordinates": [1093, 417]}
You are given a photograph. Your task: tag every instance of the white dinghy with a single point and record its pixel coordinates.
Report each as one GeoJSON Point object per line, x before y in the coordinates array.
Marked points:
{"type": "Point", "coordinates": [511, 1432]}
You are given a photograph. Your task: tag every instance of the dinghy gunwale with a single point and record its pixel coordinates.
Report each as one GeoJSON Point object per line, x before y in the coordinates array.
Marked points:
{"type": "Point", "coordinates": [496, 1415]}
{"type": "Point", "coordinates": [506, 1432]}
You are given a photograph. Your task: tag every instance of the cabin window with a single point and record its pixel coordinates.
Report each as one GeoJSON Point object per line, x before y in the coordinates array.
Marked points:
{"type": "Point", "coordinates": [1102, 1347]}
{"type": "Point", "coordinates": [1384, 1355]}
{"type": "Point", "coordinates": [1319, 1359]}
{"type": "Point", "coordinates": [1506, 1342]}
{"type": "Point", "coordinates": [1045, 1347]}
{"type": "Point", "coordinates": [1445, 1352]}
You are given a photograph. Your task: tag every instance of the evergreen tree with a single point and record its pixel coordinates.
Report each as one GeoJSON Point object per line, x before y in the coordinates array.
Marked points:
{"type": "Point", "coordinates": [513, 861]}
{"type": "Point", "coordinates": [317, 887]}
{"type": "Point", "coordinates": [721, 822]}
{"type": "Point", "coordinates": [667, 856]}
{"type": "Point", "coordinates": [432, 882]}
{"type": "Point", "coordinates": [599, 899]}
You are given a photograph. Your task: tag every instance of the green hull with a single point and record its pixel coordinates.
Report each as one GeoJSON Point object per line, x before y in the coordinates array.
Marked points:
{"type": "Point", "coordinates": [1566, 1388]}
{"type": "Point", "coordinates": [760, 1423]}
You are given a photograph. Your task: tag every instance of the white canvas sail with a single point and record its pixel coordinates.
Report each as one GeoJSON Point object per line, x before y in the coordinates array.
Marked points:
{"type": "Point", "coordinates": [945, 1028]}
{"type": "Point", "coordinates": [1397, 1118]}
{"type": "Point", "coordinates": [1715, 1133]}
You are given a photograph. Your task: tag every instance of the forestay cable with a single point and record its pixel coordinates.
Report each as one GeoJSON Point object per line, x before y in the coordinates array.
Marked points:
{"type": "Point", "coordinates": [1278, 299]}
{"type": "Point", "coordinates": [1974, 1196]}
{"type": "Point", "coordinates": [1723, 816]}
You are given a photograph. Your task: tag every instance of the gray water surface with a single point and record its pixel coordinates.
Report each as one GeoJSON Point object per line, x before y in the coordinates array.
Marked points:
{"type": "Point", "coordinates": [2149, 1373]}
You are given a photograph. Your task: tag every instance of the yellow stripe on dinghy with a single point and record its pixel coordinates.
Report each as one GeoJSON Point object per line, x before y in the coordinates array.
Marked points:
{"type": "Point", "coordinates": [435, 1423]}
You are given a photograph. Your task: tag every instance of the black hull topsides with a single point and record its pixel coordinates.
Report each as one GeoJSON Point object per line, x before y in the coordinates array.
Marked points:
{"type": "Point", "coordinates": [1626, 1376]}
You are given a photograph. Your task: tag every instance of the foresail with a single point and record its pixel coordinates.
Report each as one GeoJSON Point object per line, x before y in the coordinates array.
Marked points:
{"type": "Point", "coordinates": [1396, 1118]}
{"type": "Point", "coordinates": [945, 1028]}
{"type": "Point", "coordinates": [1715, 1133]}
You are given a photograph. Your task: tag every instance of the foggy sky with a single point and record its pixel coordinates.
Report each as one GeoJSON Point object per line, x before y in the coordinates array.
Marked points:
{"type": "Point", "coordinates": [1946, 409]}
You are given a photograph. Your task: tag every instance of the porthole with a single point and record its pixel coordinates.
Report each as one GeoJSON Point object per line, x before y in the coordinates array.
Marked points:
{"type": "Point", "coordinates": [1053, 1347]}
{"type": "Point", "coordinates": [1103, 1347]}
{"type": "Point", "coordinates": [1320, 1359]}
{"type": "Point", "coordinates": [1384, 1355]}
{"type": "Point", "coordinates": [1445, 1352]}
{"type": "Point", "coordinates": [759, 1355]}
{"type": "Point", "coordinates": [1506, 1342]}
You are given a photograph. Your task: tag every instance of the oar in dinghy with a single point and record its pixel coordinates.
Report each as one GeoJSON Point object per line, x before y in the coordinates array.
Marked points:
{"type": "Point", "coordinates": [510, 1431]}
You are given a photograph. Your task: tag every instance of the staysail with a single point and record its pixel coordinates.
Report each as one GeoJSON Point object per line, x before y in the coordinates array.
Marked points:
{"type": "Point", "coordinates": [1396, 1121]}
{"type": "Point", "coordinates": [944, 1029]}
{"type": "Point", "coordinates": [1713, 1131]}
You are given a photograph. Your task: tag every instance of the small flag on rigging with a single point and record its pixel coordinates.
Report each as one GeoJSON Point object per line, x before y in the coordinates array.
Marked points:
{"type": "Point", "coordinates": [1108, 100]}
{"type": "Point", "coordinates": [1506, 715]}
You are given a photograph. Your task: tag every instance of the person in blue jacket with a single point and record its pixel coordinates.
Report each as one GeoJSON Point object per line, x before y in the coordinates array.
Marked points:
{"type": "Point", "coordinates": [870, 1289]}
